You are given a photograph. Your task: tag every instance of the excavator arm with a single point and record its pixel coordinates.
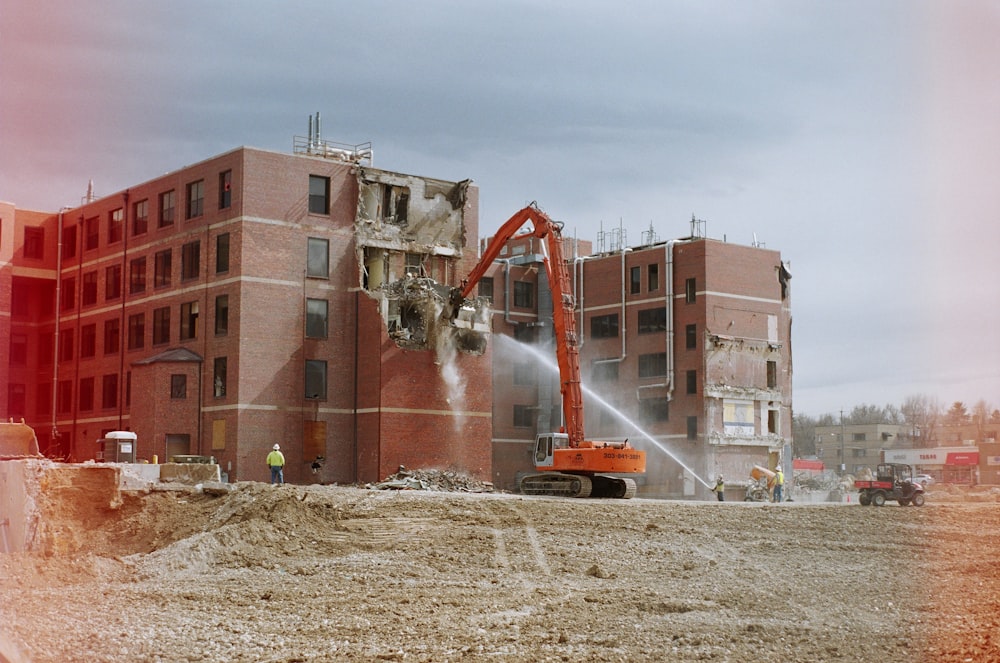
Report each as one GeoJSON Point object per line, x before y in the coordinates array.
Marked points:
{"type": "Point", "coordinates": [566, 463]}
{"type": "Point", "coordinates": [563, 320]}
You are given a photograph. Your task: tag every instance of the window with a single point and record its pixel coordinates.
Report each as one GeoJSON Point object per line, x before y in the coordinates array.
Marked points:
{"type": "Point", "coordinates": [64, 397]}
{"type": "Point", "coordinates": [603, 370]}
{"type": "Point", "coordinates": [43, 399]}
{"type": "Point", "coordinates": [116, 221]}
{"type": "Point", "coordinates": [692, 382]}
{"type": "Point", "coordinates": [18, 349]}
{"type": "Point", "coordinates": [178, 385]}
{"type": "Point", "coordinates": [89, 295]}
{"type": "Point", "coordinates": [524, 333]}
{"type": "Point", "coordinates": [46, 348]}
{"type": "Point", "coordinates": [772, 374]}
{"type": "Point", "coordinates": [318, 258]}
{"type": "Point", "coordinates": [69, 241]}
{"type": "Point", "coordinates": [136, 331]}
{"type": "Point", "coordinates": [315, 379]}
{"type": "Point", "coordinates": [91, 233]}
{"type": "Point", "coordinates": [689, 290]}
{"type": "Point", "coordinates": [222, 315]}
{"type": "Point", "coordinates": [161, 325]}
{"type": "Point", "coordinates": [654, 409]}
{"type": "Point", "coordinates": [652, 365]}
{"type": "Point", "coordinates": [225, 189]}
{"type": "Point", "coordinates": [161, 268]}
{"type": "Point", "coordinates": [486, 287]}
{"type": "Point", "coordinates": [856, 453]}
{"type": "Point", "coordinates": [19, 303]}
{"type": "Point", "coordinates": [189, 321]}
{"type": "Point", "coordinates": [692, 428]}
{"type": "Point", "coordinates": [137, 276]}
{"type": "Point", "coordinates": [653, 277]}
{"type": "Point", "coordinates": [17, 401]}
{"type": "Point", "coordinates": [524, 374]}
{"type": "Point", "coordinates": [415, 264]}
{"type": "Point", "coordinates": [109, 391]}
{"type": "Point", "coordinates": [691, 336]}
{"type": "Point", "coordinates": [395, 201]}
{"type": "Point", "coordinates": [68, 296]}
{"type": "Point", "coordinates": [222, 253]}
{"type": "Point", "coordinates": [195, 200]}
{"type": "Point", "coordinates": [88, 341]}
{"type": "Point", "coordinates": [166, 209]}
{"type": "Point", "coordinates": [34, 243]}
{"type": "Point", "coordinates": [86, 394]}
{"type": "Point", "coordinates": [635, 280]}
{"type": "Point", "coordinates": [524, 294]}
{"type": "Point", "coordinates": [859, 437]}
{"type": "Point", "coordinates": [522, 416]}
{"type": "Point", "coordinates": [604, 326]}
{"type": "Point", "coordinates": [190, 260]}
{"type": "Point", "coordinates": [112, 336]}
{"type": "Point", "coordinates": [66, 345]}
{"type": "Point", "coordinates": [653, 320]}
{"type": "Point", "coordinates": [140, 217]}
{"type": "Point", "coordinates": [219, 377]}
{"type": "Point", "coordinates": [319, 194]}
{"type": "Point", "coordinates": [316, 318]}
{"type": "Point", "coordinates": [113, 282]}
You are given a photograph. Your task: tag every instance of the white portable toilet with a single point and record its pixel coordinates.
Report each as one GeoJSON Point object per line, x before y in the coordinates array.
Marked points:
{"type": "Point", "coordinates": [118, 446]}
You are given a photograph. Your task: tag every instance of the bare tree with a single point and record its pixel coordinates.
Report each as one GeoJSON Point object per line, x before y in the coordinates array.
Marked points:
{"type": "Point", "coordinates": [922, 415]}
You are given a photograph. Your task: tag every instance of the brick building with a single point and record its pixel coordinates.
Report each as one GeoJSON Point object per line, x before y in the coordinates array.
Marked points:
{"type": "Point", "coordinates": [687, 340]}
{"type": "Point", "coordinates": [260, 297]}
{"type": "Point", "coordinates": [238, 302]}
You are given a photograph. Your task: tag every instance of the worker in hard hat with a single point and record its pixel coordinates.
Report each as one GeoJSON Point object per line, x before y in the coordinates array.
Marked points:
{"type": "Point", "coordinates": [276, 461]}
{"type": "Point", "coordinates": [779, 483]}
{"type": "Point", "coordinates": [720, 489]}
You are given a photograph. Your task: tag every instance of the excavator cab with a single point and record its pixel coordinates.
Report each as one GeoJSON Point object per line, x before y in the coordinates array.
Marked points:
{"type": "Point", "coordinates": [545, 445]}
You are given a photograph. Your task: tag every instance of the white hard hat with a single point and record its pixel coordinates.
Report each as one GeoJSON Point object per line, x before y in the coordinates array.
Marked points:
{"type": "Point", "coordinates": [276, 447]}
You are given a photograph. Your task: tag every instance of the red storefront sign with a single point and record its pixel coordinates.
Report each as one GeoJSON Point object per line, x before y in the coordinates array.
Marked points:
{"type": "Point", "coordinates": [962, 458]}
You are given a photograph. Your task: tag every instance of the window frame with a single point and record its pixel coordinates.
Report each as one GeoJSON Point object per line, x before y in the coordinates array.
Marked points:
{"type": "Point", "coordinates": [195, 200]}
{"type": "Point", "coordinates": [319, 203]}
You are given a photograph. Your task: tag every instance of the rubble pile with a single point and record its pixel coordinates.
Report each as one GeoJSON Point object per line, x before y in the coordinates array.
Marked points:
{"type": "Point", "coordinates": [439, 480]}
{"type": "Point", "coordinates": [421, 311]}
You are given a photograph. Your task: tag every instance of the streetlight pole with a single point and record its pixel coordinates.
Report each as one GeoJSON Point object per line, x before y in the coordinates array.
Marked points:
{"type": "Point", "coordinates": [843, 459]}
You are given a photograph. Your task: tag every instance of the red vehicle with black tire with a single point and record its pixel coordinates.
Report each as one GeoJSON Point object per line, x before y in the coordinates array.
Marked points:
{"type": "Point", "coordinates": [893, 482]}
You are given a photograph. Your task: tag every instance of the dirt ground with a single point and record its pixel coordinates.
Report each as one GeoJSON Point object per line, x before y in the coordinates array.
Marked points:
{"type": "Point", "coordinates": [326, 573]}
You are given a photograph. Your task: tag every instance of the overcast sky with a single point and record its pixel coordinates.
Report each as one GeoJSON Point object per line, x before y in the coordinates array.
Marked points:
{"type": "Point", "coordinates": [858, 138]}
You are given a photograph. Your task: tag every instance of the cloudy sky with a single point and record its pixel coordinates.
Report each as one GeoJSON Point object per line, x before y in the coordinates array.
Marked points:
{"type": "Point", "coordinates": [860, 138]}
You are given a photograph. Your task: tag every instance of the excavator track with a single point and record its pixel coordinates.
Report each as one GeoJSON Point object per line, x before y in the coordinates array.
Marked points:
{"type": "Point", "coordinates": [559, 484]}
{"type": "Point", "coordinates": [556, 484]}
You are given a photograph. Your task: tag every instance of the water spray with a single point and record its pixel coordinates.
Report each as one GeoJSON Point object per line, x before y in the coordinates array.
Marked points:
{"type": "Point", "coordinates": [552, 366]}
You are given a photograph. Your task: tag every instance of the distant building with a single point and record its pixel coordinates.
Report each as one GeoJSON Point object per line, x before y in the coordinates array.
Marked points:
{"type": "Point", "coordinates": [853, 447]}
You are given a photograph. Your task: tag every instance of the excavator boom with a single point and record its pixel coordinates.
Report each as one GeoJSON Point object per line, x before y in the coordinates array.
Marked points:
{"type": "Point", "coordinates": [566, 462]}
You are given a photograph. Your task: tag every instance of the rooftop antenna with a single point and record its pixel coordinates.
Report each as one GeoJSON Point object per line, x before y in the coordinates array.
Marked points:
{"type": "Point", "coordinates": [697, 226]}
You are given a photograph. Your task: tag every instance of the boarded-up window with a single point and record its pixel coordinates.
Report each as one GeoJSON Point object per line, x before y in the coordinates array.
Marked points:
{"type": "Point", "coordinates": [738, 417]}
{"type": "Point", "coordinates": [313, 439]}
{"type": "Point", "coordinates": [218, 434]}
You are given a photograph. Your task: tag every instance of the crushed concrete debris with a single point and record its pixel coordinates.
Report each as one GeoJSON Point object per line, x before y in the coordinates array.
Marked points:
{"type": "Point", "coordinates": [437, 480]}
{"type": "Point", "coordinates": [420, 310]}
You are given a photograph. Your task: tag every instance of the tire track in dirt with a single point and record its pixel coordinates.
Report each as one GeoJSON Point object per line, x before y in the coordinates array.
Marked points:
{"type": "Point", "coordinates": [501, 534]}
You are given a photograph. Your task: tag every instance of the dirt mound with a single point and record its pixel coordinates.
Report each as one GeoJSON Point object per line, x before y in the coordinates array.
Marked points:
{"type": "Point", "coordinates": [328, 573]}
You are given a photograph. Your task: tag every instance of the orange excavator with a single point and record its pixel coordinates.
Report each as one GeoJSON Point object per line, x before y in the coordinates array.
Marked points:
{"type": "Point", "coordinates": [566, 463]}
